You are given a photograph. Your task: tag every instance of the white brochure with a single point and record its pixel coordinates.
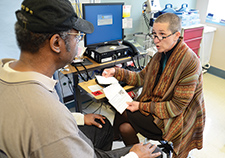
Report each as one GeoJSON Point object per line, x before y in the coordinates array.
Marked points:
{"type": "Point", "coordinates": [117, 97]}
{"type": "Point", "coordinates": [108, 80]}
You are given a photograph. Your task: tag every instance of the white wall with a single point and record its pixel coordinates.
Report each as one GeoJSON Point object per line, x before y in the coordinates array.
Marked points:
{"type": "Point", "coordinates": [217, 55]}
{"type": "Point", "coordinates": [8, 46]}
{"type": "Point", "coordinates": [136, 15]}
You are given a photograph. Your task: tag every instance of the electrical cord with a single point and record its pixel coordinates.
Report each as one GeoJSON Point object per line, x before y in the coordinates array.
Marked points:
{"type": "Point", "coordinates": [88, 77]}
{"type": "Point", "coordinates": [99, 108]}
{"type": "Point", "coordinates": [79, 73]}
{"type": "Point", "coordinates": [138, 61]}
{"type": "Point", "coordinates": [88, 105]}
{"type": "Point", "coordinates": [86, 71]}
{"type": "Point", "coordinates": [132, 58]}
{"type": "Point", "coordinates": [147, 21]}
{"type": "Point", "coordinates": [92, 75]}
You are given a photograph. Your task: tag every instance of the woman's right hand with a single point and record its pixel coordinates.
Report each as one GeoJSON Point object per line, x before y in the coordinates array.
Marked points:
{"type": "Point", "coordinates": [108, 72]}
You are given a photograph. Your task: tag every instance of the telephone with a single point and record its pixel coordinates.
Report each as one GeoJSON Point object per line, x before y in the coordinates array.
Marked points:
{"type": "Point", "coordinates": [132, 51]}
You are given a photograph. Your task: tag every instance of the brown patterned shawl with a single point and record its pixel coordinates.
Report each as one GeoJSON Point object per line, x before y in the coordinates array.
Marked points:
{"type": "Point", "coordinates": [176, 102]}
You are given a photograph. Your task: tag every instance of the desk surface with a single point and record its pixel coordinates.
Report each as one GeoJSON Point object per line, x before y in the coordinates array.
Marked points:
{"type": "Point", "coordinates": [85, 85]}
{"type": "Point", "coordinates": [95, 65]}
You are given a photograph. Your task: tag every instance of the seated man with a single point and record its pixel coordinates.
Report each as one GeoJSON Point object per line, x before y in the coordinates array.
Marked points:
{"type": "Point", "coordinates": [34, 123]}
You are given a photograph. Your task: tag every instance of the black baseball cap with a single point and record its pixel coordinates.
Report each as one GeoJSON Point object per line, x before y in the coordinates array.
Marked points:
{"type": "Point", "coordinates": [51, 16]}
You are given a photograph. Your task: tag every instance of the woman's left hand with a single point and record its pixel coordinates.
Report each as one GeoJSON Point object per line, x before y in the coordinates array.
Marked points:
{"type": "Point", "coordinates": [133, 106]}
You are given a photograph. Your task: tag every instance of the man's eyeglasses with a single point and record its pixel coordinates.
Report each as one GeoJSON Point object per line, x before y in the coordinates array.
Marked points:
{"type": "Point", "coordinates": [160, 38]}
{"type": "Point", "coordinates": [79, 36]}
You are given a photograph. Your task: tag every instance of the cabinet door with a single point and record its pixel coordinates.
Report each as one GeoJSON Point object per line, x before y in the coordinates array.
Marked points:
{"type": "Point", "coordinates": [193, 33]}
{"type": "Point", "coordinates": [192, 37]}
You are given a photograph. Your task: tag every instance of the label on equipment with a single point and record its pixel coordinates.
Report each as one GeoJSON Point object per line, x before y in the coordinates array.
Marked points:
{"type": "Point", "coordinates": [106, 59]}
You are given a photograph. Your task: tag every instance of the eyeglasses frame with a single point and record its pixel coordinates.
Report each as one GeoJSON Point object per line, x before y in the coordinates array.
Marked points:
{"type": "Point", "coordinates": [78, 35]}
{"type": "Point", "coordinates": [151, 35]}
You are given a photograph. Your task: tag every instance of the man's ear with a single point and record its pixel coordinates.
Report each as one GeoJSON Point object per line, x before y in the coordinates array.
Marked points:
{"type": "Point", "coordinates": [55, 43]}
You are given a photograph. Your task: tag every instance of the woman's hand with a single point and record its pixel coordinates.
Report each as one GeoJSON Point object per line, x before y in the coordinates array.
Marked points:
{"type": "Point", "coordinates": [133, 106]}
{"type": "Point", "coordinates": [108, 72]}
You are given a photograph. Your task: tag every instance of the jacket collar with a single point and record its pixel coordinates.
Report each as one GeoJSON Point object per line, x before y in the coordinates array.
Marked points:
{"type": "Point", "coordinates": [11, 76]}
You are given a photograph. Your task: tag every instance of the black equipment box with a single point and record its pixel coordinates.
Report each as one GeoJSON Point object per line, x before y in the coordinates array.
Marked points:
{"type": "Point", "coordinates": [107, 53]}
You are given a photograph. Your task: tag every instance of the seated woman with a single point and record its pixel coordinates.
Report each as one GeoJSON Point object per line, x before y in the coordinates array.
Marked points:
{"type": "Point", "coordinates": [171, 105]}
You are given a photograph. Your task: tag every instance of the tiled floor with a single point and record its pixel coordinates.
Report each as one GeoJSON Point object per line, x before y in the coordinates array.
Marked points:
{"type": "Point", "coordinates": [214, 134]}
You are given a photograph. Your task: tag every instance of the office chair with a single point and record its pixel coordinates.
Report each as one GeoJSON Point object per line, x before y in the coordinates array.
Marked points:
{"type": "Point", "coordinates": [2, 154]}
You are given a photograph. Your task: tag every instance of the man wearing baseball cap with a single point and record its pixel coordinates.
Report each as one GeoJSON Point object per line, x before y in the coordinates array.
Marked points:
{"type": "Point", "coordinates": [34, 123]}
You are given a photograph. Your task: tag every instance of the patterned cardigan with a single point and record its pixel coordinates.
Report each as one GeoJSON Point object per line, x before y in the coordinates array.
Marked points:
{"type": "Point", "coordinates": [176, 102]}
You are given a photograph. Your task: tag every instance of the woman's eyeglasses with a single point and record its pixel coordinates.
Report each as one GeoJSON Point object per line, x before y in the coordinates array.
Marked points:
{"type": "Point", "coordinates": [160, 38]}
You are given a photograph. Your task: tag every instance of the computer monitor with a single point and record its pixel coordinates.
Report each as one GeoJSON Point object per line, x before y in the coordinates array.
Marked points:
{"type": "Point", "coordinates": [107, 21]}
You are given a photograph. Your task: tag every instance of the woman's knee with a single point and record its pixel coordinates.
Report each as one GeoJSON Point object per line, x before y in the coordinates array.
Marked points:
{"type": "Point", "coordinates": [126, 128]}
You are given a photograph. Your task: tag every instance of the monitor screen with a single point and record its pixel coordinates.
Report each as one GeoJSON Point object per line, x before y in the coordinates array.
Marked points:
{"type": "Point", "coordinates": [107, 21]}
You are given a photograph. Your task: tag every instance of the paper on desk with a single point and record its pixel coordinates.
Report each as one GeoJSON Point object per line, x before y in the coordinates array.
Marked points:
{"type": "Point", "coordinates": [104, 80]}
{"type": "Point", "coordinates": [95, 88]}
{"type": "Point", "coordinates": [117, 97]}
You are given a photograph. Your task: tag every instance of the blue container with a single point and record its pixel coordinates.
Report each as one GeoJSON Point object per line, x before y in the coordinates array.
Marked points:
{"type": "Point", "coordinates": [184, 8]}
{"type": "Point", "coordinates": [168, 9]}
{"type": "Point", "coordinates": [195, 11]}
